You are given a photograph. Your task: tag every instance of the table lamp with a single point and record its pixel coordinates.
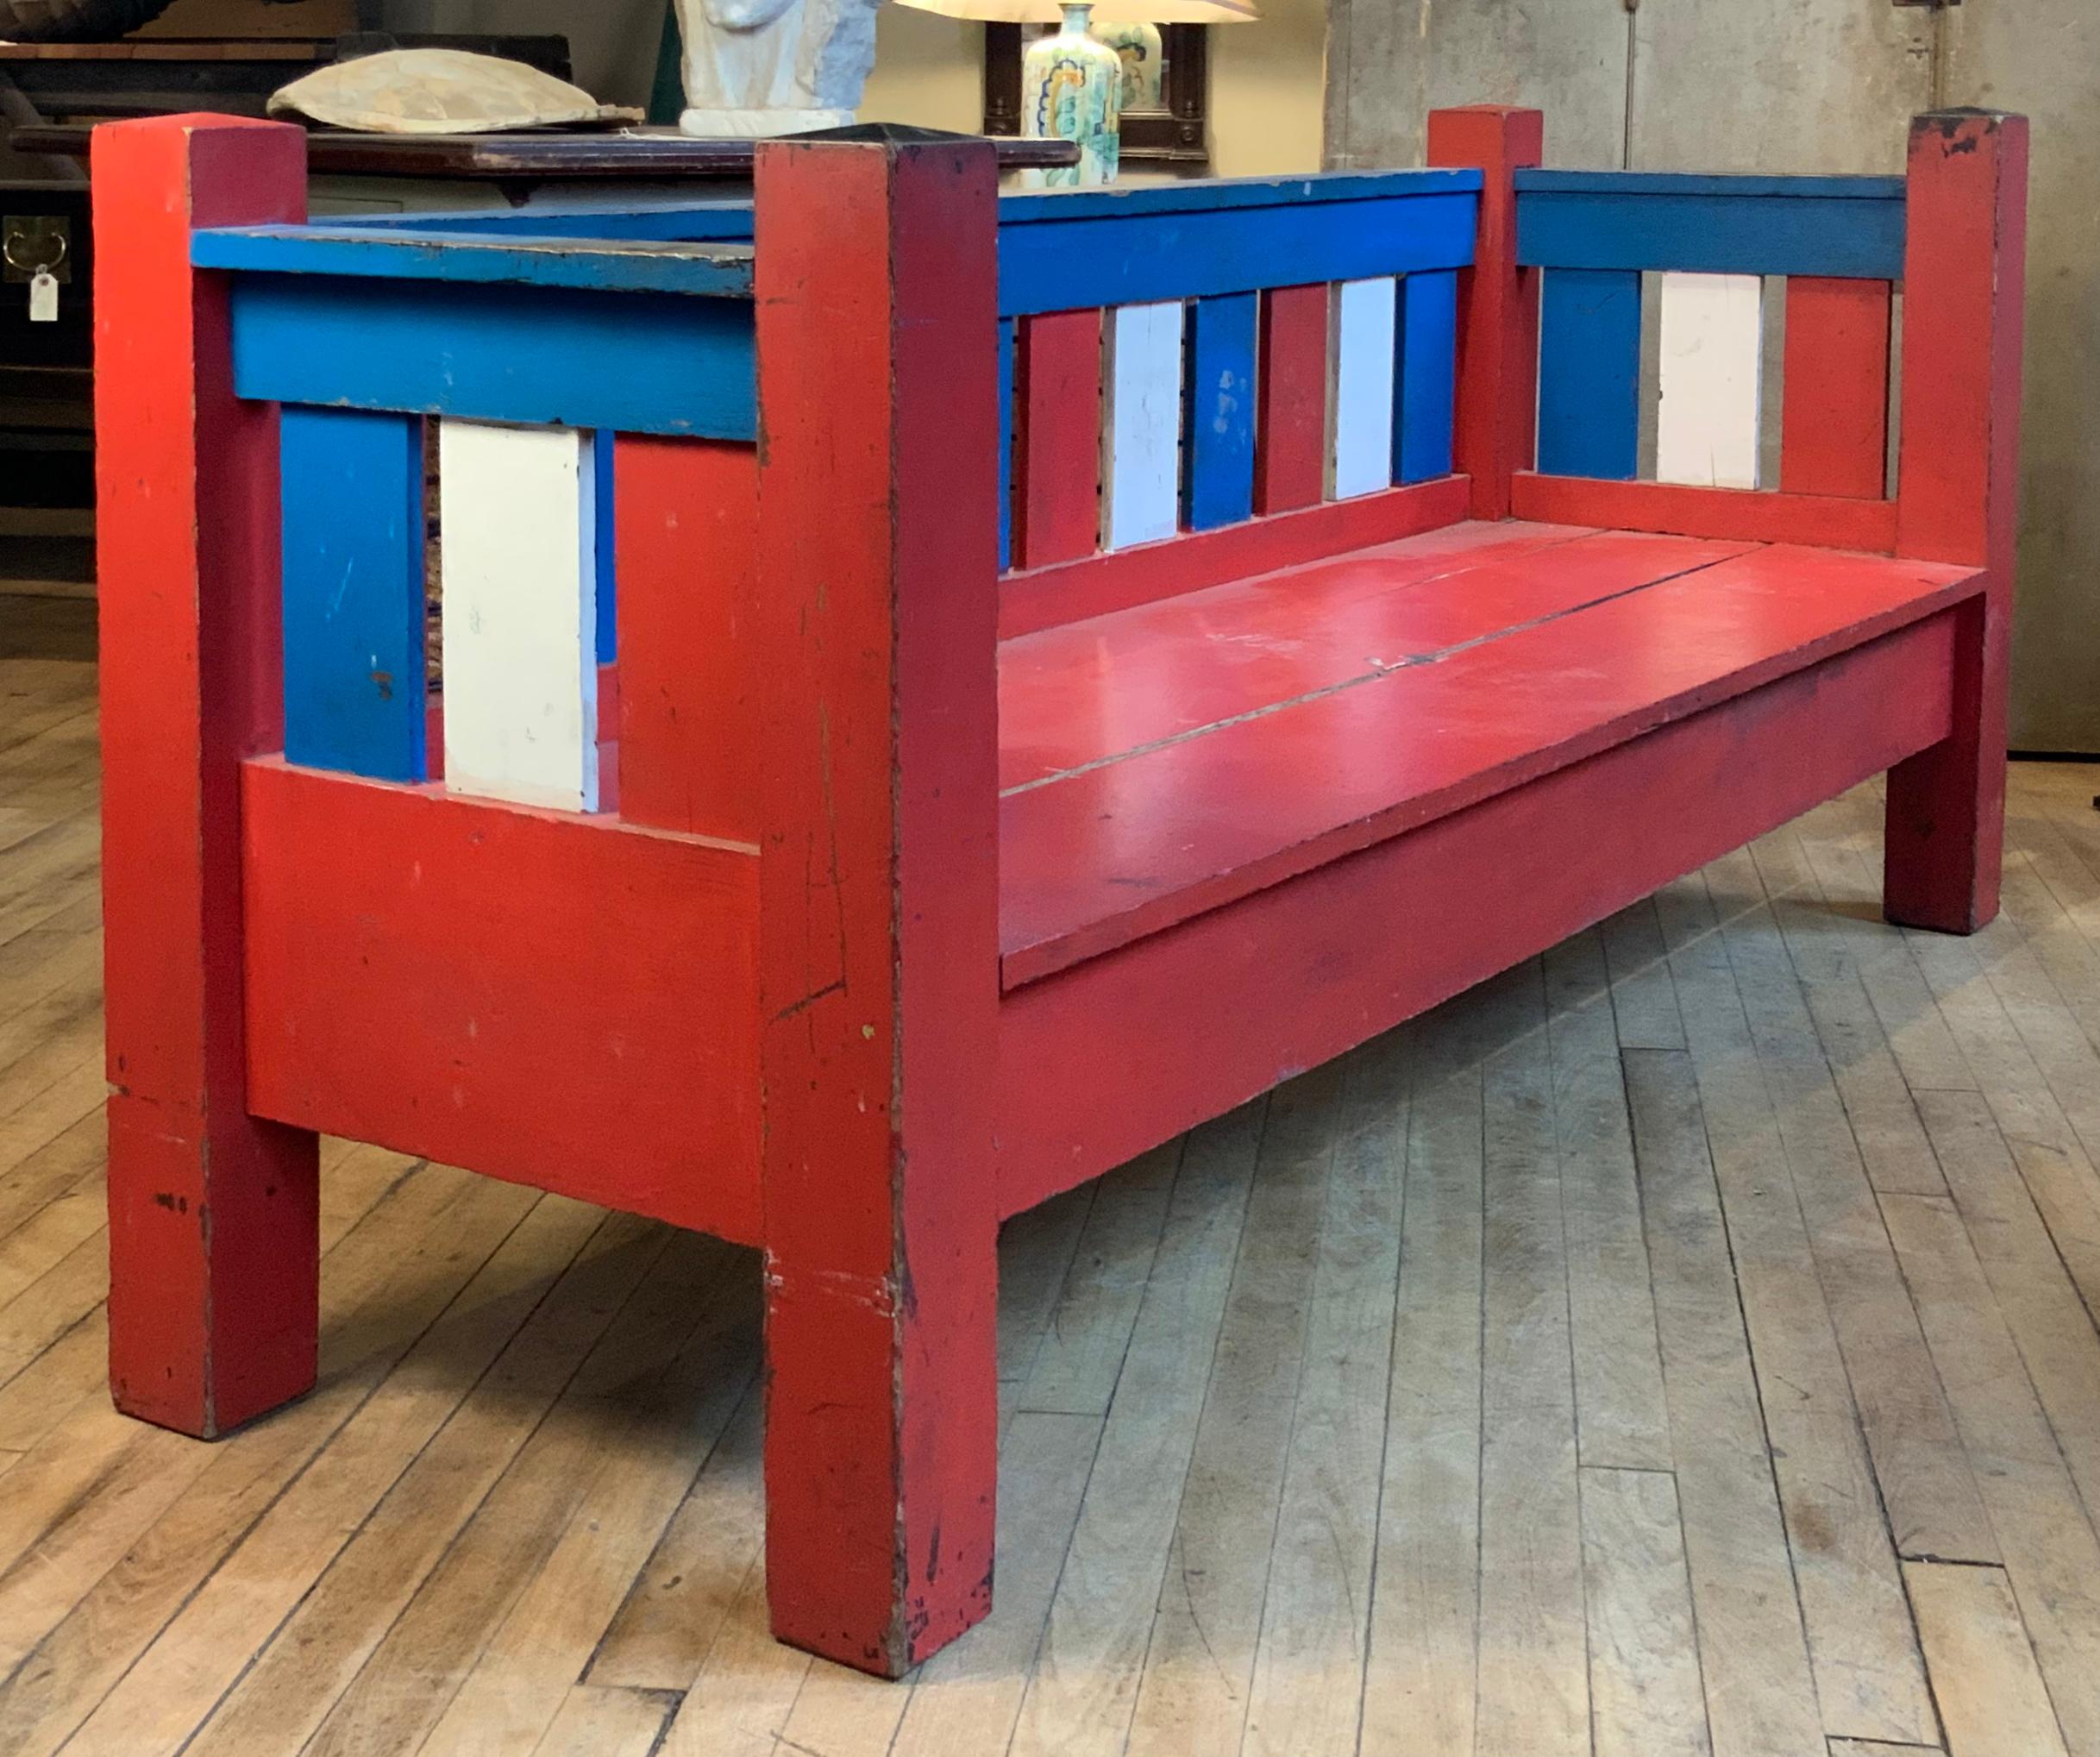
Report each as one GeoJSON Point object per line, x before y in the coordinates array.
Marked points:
{"type": "Point", "coordinates": [1103, 58]}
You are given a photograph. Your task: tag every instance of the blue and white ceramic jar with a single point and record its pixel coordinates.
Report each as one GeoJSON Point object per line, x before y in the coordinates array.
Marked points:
{"type": "Point", "coordinates": [1072, 89]}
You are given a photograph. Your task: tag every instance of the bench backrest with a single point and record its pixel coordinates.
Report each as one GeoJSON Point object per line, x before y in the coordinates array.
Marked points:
{"type": "Point", "coordinates": [1193, 383]}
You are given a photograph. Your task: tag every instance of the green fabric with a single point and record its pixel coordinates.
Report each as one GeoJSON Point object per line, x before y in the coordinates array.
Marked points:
{"type": "Point", "coordinates": [666, 98]}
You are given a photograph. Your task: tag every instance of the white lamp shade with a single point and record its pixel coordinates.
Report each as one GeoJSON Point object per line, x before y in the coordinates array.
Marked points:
{"type": "Point", "coordinates": [1104, 11]}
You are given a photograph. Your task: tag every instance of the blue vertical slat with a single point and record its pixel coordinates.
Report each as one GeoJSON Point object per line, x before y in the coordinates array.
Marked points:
{"type": "Point", "coordinates": [354, 592]}
{"type": "Point", "coordinates": [1217, 409]}
{"type": "Point", "coordinates": [1428, 376]}
{"type": "Point", "coordinates": [607, 547]}
{"type": "Point", "coordinates": [1005, 443]}
{"type": "Point", "coordinates": [1590, 374]}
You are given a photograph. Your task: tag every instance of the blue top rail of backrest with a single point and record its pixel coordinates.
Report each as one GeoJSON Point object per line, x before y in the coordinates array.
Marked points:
{"type": "Point", "coordinates": [640, 318]}
{"type": "Point", "coordinates": [1068, 250]}
{"type": "Point", "coordinates": [1846, 228]}
{"type": "Point", "coordinates": [1059, 250]}
{"type": "Point", "coordinates": [639, 335]}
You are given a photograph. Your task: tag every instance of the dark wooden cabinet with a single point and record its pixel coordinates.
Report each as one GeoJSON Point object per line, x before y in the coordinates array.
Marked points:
{"type": "Point", "coordinates": [46, 399]}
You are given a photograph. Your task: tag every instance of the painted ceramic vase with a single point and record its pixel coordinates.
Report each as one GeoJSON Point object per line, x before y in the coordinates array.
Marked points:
{"type": "Point", "coordinates": [1143, 53]}
{"type": "Point", "coordinates": [1072, 89]}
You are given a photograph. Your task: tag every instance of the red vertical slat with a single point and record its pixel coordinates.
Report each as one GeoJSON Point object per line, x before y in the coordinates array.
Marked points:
{"type": "Point", "coordinates": [214, 1230]}
{"type": "Point", "coordinates": [686, 515]}
{"type": "Point", "coordinates": [1958, 495]}
{"type": "Point", "coordinates": [1057, 438]}
{"type": "Point", "coordinates": [874, 635]}
{"type": "Point", "coordinates": [1290, 446]}
{"type": "Point", "coordinates": [1835, 430]}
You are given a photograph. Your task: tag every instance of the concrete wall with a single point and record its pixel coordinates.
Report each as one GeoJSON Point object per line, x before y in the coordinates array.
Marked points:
{"type": "Point", "coordinates": [1715, 85]}
{"type": "Point", "coordinates": [2043, 57]}
{"type": "Point", "coordinates": [1390, 62]}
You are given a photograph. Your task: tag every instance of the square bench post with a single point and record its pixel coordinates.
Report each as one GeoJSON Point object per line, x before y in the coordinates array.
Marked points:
{"type": "Point", "coordinates": [1495, 432]}
{"type": "Point", "coordinates": [214, 1230]}
{"type": "Point", "coordinates": [873, 639]}
{"type": "Point", "coordinates": [1958, 496]}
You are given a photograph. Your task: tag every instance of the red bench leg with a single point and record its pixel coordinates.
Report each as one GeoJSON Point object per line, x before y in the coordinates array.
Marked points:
{"type": "Point", "coordinates": [213, 1227]}
{"type": "Point", "coordinates": [873, 630]}
{"type": "Point", "coordinates": [1959, 497]}
{"type": "Point", "coordinates": [1945, 815]}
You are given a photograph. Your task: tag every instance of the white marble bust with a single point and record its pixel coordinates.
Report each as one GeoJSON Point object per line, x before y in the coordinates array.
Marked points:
{"type": "Point", "coordinates": [766, 67]}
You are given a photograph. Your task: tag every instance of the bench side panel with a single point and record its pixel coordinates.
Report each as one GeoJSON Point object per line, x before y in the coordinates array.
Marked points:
{"type": "Point", "coordinates": [530, 994]}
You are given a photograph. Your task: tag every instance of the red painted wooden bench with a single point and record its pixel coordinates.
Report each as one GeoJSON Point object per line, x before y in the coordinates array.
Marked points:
{"type": "Point", "coordinates": [1075, 661]}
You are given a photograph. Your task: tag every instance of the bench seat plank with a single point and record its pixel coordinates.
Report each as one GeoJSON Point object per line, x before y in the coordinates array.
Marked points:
{"type": "Point", "coordinates": [1169, 669]}
{"type": "Point", "coordinates": [1137, 839]}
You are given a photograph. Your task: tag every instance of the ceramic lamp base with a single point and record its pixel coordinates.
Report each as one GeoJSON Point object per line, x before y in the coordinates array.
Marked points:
{"type": "Point", "coordinates": [1072, 89]}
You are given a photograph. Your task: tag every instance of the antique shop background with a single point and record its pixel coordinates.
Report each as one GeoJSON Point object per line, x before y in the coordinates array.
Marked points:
{"type": "Point", "coordinates": [1722, 84]}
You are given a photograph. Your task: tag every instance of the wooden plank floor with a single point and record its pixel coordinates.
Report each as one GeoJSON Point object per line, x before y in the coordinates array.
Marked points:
{"type": "Point", "coordinates": [1683, 1344]}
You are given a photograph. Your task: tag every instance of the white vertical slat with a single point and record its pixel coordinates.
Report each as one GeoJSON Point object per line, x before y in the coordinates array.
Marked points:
{"type": "Point", "coordinates": [518, 529]}
{"type": "Point", "coordinates": [1365, 330]}
{"type": "Point", "coordinates": [1706, 428]}
{"type": "Point", "coordinates": [1141, 430]}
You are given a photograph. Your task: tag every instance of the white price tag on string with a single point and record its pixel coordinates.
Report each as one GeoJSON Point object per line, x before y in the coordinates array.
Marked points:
{"type": "Point", "coordinates": [44, 297]}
